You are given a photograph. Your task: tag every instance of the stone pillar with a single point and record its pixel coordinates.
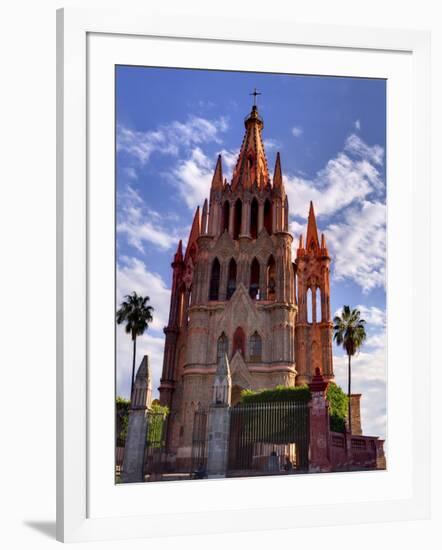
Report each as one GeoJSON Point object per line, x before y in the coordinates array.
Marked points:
{"type": "Point", "coordinates": [133, 461]}
{"type": "Point", "coordinates": [218, 444]}
{"type": "Point", "coordinates": [319, 455]}
{"type": "Point", "coordinates": [355, 404]}
{"type": "Point", "coordinates": [219, 421]}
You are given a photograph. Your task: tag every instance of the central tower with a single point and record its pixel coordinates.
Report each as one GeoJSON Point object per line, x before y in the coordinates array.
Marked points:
{"type": "Point", "coordinates": [233, 291]}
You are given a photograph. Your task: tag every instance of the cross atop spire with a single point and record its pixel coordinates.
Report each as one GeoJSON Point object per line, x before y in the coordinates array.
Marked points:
{"type": "Point", "coordinates": [254, 94]}
{"type": "Point", "coordinates": [251, 166]}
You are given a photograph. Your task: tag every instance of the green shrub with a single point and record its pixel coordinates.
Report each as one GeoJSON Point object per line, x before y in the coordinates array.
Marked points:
{"type": "Point", "coordinates": [122, 406]}
{"type": "Point", "coordinates": [122, 418]}
{"type": "Point", "coordinates": [156, 428]}
{"type": "Point", "coordinates": [155, 407]}
{"type": "Point", "coordinates": [278, 394]}
{"type": "Point", "coordinates": [337, 424]}
{"type": "Point", "coordinates": [338, 400]}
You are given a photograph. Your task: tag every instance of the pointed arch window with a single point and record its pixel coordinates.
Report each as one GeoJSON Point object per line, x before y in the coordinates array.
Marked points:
{"type": "Point", "coordinates": [237, 219]}
{"type": "Point", "coordinates": [231, 279]}
{"type": "Point", "coordinates": [222, 347]}
{"type": "Point", "coordinates": [268, 217]}
{"type": "Point", "coordinates": [271, 279]}
{"type": "Point", "coordinates": [254, 219]}
{"type": "Point", "coordinates": [309, 305]}
{"type": "Point", "coordinates": [214, 280]}
{"type": "Point", "coordinates": [254, 280]}
{"type": "Point", "coordinates": [239, 339]}
{"type": "Point", "coordinates": [318, 313]}
{"type": "Point", "coordinates": [255, 347]}
{"type": "Point", "coordinates": [225, 220]}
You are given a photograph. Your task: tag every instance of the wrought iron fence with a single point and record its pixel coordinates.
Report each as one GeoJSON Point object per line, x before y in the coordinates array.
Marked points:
{"type": "Point", "coordinates": [154, 452]}
{"type": "Point", "coordinates": [199, 444]}
{"type": "Point", "coordinates": [268, 438]}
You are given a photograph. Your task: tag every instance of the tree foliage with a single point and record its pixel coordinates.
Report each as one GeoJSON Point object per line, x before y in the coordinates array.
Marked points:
{"type": "Point", "coordinates": [156, 424]}
{"type": "Point", "coordinates": [122, 419]}
{"type": "Point", "coordinates": [338, 400]}
{"type": "Point", "coordinates": [277, 394]}
{"type": "Point", "coordinates": [349, 330]}
{"type": "Point", "coordinates": [135, 313]}
{"type": "Point", "coordinates": [338, 407]}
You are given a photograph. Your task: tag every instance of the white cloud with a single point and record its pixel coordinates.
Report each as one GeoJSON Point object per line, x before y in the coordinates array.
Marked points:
{"type": "Point", "coordinates": [297, 131]}
{"type": "Point", "coordinates": [369, 372]}
{"type": "Point", "coordinates": [271, 144]}
{"type": "Point", "coordinates": [169, 139]}
{"type": "Point", "coordinates": [229, 158]}
{"type": "Point", "coordinates": [358, 124]}
{"type": "Point", "coordinates": [193, 177]}
{"type": "Point", "coordinates": [351, 176]}
{"type": "Point", "coordinates": [133, 275]}
{"type": "Point", "coordinates": [355, 145]}
{"type": "Point", "coordinates": [369, 379]}
{"type": "Point", "coordinates": [342, 182]}
{"type": "Point", "coordinates": [153, 346]}
{"type": "Point", "coordinates": [141, 224]}
{"type": "Point", "coordinates": [131, 173]}
{"type": "Point", "coordinates": [373, 316]}
{"type": "Point", "coordinates": [358, 245]}
{"type": "Point", "coordinates": [351, 186]}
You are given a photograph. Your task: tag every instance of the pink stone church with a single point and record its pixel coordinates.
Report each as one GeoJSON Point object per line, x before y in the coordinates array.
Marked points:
{"type": "Point", "coordinates": [238, 291]}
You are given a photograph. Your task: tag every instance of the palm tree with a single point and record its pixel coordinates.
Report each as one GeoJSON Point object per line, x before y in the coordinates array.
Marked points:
{"type": "Point", "coordinates": [349, 332]}
{"type": "Point", "coordinates": [137, 315]}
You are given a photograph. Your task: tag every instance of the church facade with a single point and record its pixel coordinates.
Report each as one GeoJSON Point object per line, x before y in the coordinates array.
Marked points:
{"type": "Point", "coordinates": [241, 288]}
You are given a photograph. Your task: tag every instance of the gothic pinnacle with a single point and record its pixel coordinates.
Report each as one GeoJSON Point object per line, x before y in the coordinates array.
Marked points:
{"type": "Point", "coordinates": [217, 181]}
{"type": "Point", "coordinates": [312, 241]}
{"type": "Point", "coordinates": [179, 253]}
{"type": "Point", "coordinates": [277, 174]}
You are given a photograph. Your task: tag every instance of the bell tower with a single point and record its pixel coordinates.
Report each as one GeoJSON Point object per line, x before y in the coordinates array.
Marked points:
{"type": "Point", "coordinates": [233, 291]}
{"type": "Point", "coordinates": [314, 328]}
{"type": "Point", "coordinates": [238, 297]}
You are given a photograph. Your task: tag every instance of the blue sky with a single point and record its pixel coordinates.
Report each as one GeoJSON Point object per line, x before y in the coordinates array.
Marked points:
{"type": "Point", "coordinates": [330, 132]}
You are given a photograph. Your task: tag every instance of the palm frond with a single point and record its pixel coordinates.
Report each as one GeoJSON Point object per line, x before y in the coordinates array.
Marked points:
{"type": "Point", "coordinates": [349, 330]}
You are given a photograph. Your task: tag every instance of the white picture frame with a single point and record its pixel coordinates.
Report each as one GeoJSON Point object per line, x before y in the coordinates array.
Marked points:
{"type": "Point", "coordinates": [87, 500]}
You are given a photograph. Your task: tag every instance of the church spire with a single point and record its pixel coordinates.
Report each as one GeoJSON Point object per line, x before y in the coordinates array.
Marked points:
{"type": "Point", "coordinates": [277, 174]}
{"type": "Point", "coordinates": [179, 253]}
{"type": "Point", "coordinates": [251, 165]}
{"type": "Point", "coordinates": [217, 180]}
{"type": "Point", "coordinates": [194, 233]}
{"type": "Point", "coordinates": [312, 241]}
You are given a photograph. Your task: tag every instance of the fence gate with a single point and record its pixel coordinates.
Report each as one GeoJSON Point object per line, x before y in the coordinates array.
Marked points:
{"type": "Point", "coordinates": [268, 438]}
{"type": "Point", "coordinates": [155, 449]}
{"type": "Point", "coordinates": [199, 439]}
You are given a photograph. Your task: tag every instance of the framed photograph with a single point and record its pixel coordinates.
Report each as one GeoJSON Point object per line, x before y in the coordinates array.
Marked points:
{"type": "Point", "coordinates": [243, 244]}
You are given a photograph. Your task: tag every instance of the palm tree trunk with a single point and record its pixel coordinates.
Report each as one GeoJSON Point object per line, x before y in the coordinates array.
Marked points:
{"type": "Point", "coordinates": [133, 368]}
{"type": "Point", "coordinates": [349, 393]}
